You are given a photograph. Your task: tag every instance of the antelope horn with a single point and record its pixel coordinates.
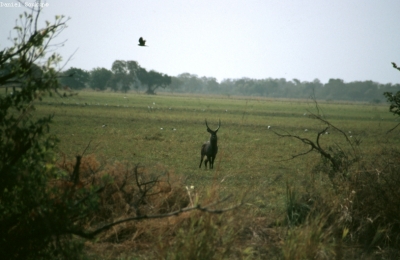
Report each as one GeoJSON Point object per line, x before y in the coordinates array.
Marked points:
{"type": "Point", "coordinates": [219, 124]}
{"type": "Point", "coordinates": [207, 124]}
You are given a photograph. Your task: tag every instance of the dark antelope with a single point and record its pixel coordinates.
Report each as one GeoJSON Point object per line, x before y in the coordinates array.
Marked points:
{"type": "Point", "coordinates": [210, 148]}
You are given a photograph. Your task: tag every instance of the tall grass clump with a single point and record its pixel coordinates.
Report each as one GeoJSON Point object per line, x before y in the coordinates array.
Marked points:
{"type": "Point", "coordinates": [316, 238]}
{"type": "Point", "coordinates": [375, 204]}
{"type": "Point", "coordinates": [201, 237]}
{"type": "Point", "coordinates": [352, 211]}
{"type": "Point", "coordinates": [131, 195]}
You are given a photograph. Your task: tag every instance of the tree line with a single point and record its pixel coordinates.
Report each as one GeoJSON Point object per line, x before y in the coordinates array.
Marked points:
{"type": "Point", "coordinates": [129, 75]}
{"type": "Point", "coordinates": [334, 89]}
{"type": "Point", "coordinates": [123, 76]}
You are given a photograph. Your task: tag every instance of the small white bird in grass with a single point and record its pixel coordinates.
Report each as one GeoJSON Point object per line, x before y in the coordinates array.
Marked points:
{"type": "Point", "coordinates": [269, 127]}
{"type": "Point", "coordinates": [305, 130]}
{"type": "Point", "coordinates": [173, 129]}
{"type": "Point", "coordinates": [161, 128]}
{"type": "Point", "coordinates": [103, 125]}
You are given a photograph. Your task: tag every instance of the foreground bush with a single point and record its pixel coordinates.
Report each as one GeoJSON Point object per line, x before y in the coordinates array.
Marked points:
{"type": "Point", "coordinates": [353, 212]}
{"type": "Point", "coordinates": [42, 207]}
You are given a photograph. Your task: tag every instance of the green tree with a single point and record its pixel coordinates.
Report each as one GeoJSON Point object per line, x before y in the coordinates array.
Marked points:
{"type": "Point", "coordinates": [211, 84]}
{"type": "Point", "coordinates": [335, 89]}
{"type": "Point", "coordinates": [176, 84]}
{"type": "Point", "coordinates": [37, 218]}
{"type": "Point", "coordinates": [99, 77]}
{"type": "Point", "coordinates": [297, 82]}
{"type": "Point", "coordinates": [124, 75]}
{"type": "Point", "coordinates": [153, 80]}
{"type": "Point", "coordinates": [75, 78]}
{"type": "Point", "coordinates": [394, 99]}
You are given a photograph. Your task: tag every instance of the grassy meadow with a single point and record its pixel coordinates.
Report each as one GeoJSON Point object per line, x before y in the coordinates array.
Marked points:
{"type": "Point", "coordinates": [169, 130]}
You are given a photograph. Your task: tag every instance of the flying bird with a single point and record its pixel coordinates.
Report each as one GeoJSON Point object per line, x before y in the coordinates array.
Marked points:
{"type": "Point", "coordinates": [142, 42]}
{"type": "Point", "coordinates": [395, 66]}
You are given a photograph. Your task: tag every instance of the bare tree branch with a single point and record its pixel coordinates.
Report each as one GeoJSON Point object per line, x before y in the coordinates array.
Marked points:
{"type": "Point", "coordinates": [339, 160]}
{"type": "Point", "coordinates": [207, 208]}
{"type": "Point", "coordinates": [314, 146]}
{"type": "Point", "coordinates": [84, 151]}
{"type": "Point", "coordinates": [390, 130]}
{"type": "Point", "coordinates": [314, 99]}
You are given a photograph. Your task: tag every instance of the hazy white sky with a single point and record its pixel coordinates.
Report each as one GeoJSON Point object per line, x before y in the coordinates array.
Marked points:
{"type": "Point", "coordinates": [303, 39]}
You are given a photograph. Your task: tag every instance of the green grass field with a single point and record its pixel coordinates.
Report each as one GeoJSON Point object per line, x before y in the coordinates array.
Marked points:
{"type": "Point", "coordinates": [167, 131]}
{"type": "Point", "coordinates": [139, 129]}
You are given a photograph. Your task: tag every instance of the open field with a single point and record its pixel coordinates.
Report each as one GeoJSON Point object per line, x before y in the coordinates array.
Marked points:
{"type": "Point", "coordinates": [139, 129]}
{"type": "Point", "coordinates": [169, 130]}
